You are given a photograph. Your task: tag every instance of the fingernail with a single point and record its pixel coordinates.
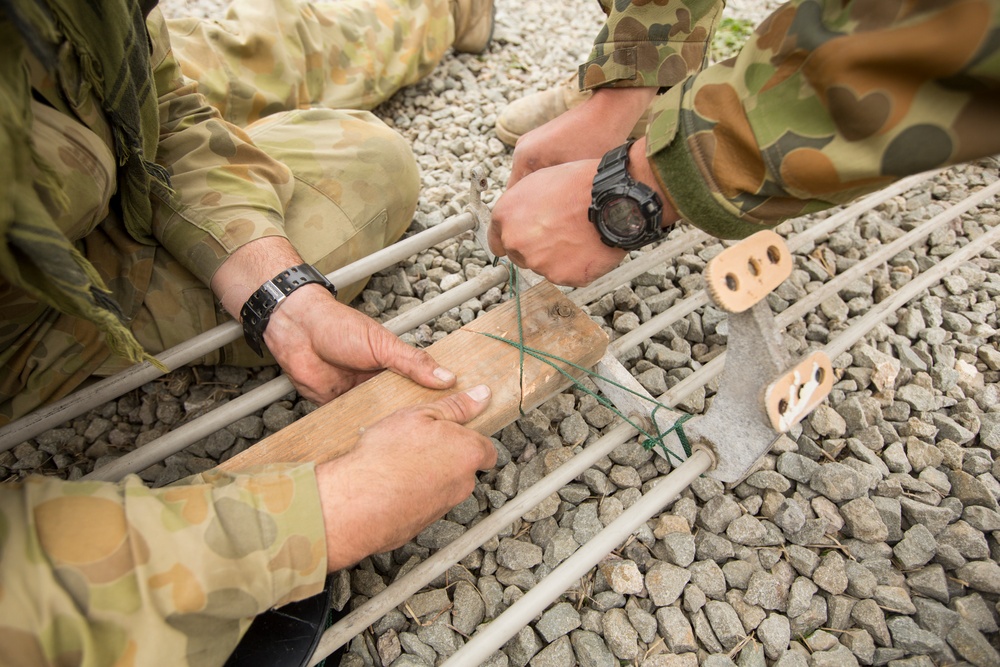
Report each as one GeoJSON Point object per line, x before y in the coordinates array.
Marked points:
{"type": "Point", "coordinates": [479, 393]}
{"type": "Point", "coordinates": [443, 374]}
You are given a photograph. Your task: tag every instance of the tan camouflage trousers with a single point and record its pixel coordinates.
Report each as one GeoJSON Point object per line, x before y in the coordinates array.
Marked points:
{"type": "Point", "coordinates": [298, 77]}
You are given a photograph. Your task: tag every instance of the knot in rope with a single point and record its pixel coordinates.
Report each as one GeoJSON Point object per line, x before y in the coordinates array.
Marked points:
{"type": "Point", "coordinates": [649, 441]}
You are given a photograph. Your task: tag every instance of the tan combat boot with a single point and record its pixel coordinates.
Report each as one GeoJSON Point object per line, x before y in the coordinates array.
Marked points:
{"type": "Point", "coordinates": [523, 115]}
{"type": "Point", "coordinates": [473, 25]}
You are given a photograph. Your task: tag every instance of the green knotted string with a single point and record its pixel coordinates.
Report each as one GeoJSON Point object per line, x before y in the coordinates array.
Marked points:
{"type": "Point", "coordinates": [650, 440]}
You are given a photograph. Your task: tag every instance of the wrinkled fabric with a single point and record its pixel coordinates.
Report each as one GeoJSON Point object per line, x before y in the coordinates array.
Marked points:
{"type": "Point", "coordinates": [103, 45]}
{"type": "Point", "coordinates": [96, 573]}
{"type": "Point", "coordinates": [655, 43]}
{"type": "Point", "coordinates": [828, 101]}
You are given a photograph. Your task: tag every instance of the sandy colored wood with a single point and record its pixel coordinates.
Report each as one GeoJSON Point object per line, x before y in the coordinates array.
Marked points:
{"type": "Point", "coordinates": [551, 323]}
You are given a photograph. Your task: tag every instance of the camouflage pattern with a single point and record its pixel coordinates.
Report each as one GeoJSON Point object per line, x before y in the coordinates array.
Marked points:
{"type": "Point", "coordinates": [288, 155]}
{"type": "Point", "coordinates": [828, 101]}
{"type": "Point", "coordinates": [96, 574]}
{"type": "Point", "coordinates": [273, 56]}
{"type": "Point", "coordinates": [650, 43]}
{"type": "Point", "coordinates": [118, 574]}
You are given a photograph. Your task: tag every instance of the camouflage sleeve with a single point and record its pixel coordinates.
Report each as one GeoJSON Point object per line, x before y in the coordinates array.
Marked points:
{"type": "Point", "coordinates": [650, 43]}
{"type": "Point", "coordinates": [828, 101]}
{"type": "Point", "coordinates": [95, 573]}
{"type": "Point", "coordinates": [226, 191]}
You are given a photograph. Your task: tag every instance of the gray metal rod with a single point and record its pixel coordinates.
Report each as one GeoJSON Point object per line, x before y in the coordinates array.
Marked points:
{"type": "Point", "coordinates": [626, 272]}
{"type": "Point", "coordinates": [506, 625]}
{"type": "Point", "coordinates": [926, 279]}
{"type": "Point", "coordinates": [811, 300]}
{"type": "Point", "coordinates": [114, 386]}
{"type": "Point", "coordinates": [437, 563]}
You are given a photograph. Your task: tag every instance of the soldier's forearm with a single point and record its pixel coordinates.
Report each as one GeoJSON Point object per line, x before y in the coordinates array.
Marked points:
{"type": "Point", "coordinates": [140, 575]}
{"type": "Point", "coordinates": [249, 267]}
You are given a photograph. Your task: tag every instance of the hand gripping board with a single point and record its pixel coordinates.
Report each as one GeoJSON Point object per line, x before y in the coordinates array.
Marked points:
{"type": "Point", "coordinates": [550, 322]}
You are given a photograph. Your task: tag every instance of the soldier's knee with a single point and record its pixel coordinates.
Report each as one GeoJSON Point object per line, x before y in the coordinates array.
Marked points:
{"type": "Point", "coordinates": [402, 189]}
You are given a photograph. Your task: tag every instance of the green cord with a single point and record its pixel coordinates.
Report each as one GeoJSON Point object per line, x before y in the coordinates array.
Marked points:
{"type": "Point", "coordinates": [650, 440]}
{"type": "Point", "coordinates": [512, 272]}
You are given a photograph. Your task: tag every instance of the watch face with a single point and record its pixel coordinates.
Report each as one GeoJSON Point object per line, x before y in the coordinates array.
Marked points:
{"type": "Point", "coordinates": [621, 216]}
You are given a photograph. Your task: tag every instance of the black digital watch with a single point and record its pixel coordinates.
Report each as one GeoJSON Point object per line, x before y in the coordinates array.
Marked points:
{"type": "Point", "coordinates": [627, 213]}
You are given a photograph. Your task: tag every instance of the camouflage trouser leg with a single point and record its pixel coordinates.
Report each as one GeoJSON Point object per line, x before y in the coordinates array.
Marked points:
{"type": "Point", "coordinates": [276, 55]}
{"type": "Point", "coordinates": [356, 186]}
{"type": "Point", "coordinates": [280, 68]}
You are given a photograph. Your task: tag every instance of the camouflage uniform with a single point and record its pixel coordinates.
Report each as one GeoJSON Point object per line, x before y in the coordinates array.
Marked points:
{"type": "Point", "coordinates": [650, 44]}
{"type": "Point", "coordinates": [100, 574]}
{"type": "Point", "coordinates": [828, 101]}
{"type": "Point", "coordinates": [293, 153]}
{"type": "Point", "coordinates": [96, 574]}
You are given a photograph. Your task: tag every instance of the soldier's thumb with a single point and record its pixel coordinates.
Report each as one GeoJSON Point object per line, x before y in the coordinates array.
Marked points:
{"type": "Point", "coordinates": [463, 406]}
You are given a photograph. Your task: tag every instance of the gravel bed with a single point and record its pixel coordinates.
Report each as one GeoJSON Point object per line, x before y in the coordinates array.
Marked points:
{"type": "Point", "coordinates": [869, 535]}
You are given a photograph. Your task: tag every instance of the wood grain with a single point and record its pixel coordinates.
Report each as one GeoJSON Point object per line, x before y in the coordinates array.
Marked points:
{"type": "Point", "coordinates": [551, 323]}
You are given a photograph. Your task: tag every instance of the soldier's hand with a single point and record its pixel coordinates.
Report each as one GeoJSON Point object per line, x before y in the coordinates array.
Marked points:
{"type": "Point", "coordinates": [541, 224]}
{"type": "Point", "coordinates": [326, 348]}
{"type": "Point", "coordinates": [323, 346]}
{"type": "Point", "coordinates": [585, 132]}
{"type": "Point", "coordinates": [406, 472]}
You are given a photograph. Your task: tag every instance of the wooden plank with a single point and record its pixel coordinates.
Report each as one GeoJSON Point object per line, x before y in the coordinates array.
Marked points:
{"type": "Point", "coordinates": [551, 323]}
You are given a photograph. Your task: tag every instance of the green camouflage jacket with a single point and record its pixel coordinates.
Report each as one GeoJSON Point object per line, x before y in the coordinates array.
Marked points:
{"type": "Point", "coordinates": [648, 43]}
{"type": "Point", "coordinates": [94, 574]}
{"type": "Point", "coordinates": [828, 100]}
{"type": "Point", "coordinates": [225, 192]}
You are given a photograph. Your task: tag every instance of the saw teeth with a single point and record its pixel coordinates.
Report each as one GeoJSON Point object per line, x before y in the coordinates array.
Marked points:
{"type": "Point", "coordinates": [713, 290]}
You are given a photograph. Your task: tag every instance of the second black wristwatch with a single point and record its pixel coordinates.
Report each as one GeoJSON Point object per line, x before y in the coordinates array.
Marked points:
{"type": "Point", "coordinates": [627, 213]}
{"type": "Point", "coordinates": [256, 312]}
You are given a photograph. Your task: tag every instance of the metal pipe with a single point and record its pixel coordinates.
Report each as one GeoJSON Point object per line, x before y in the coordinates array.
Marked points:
{"type": "Point", "coordinates": [656, 324]}
{"type": "Point", "coordinates": [114, 386]}
{"type": "Point", "coordinates": [626, 272]}
{"type": "Point", "coordinates": [814, 231]}
{"type": "Point", "coordinates": [489, 277]}
{"type": "Point", "coordinates": [478, 649]}
{"type": "Point", "coordinates": [402, 249]}
{"type": "Point", "coordinates": [182, 436]}
{"type": "Point", "coordinates": [831, 287]}
{"type": "Point", "coordinates": [931, 276]}
{"type": "Point", "coordinates": [176, 440]}
{"type": "Point", "coordinates": [806, 304]}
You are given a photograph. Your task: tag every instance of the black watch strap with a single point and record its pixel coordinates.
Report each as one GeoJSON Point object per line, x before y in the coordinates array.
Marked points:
{"type": "Point", "coordinates": [256, 312]}
{"type": "Point", "coordinates": [613, 167]}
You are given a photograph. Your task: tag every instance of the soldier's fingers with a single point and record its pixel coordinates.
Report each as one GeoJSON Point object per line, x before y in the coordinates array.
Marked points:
{"type": "Point", "coordinates": [411, 362]}
{"type": "Point", "coordinates": [461, 407]}
{"type": "Point", "coordinates": [494, 236]}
